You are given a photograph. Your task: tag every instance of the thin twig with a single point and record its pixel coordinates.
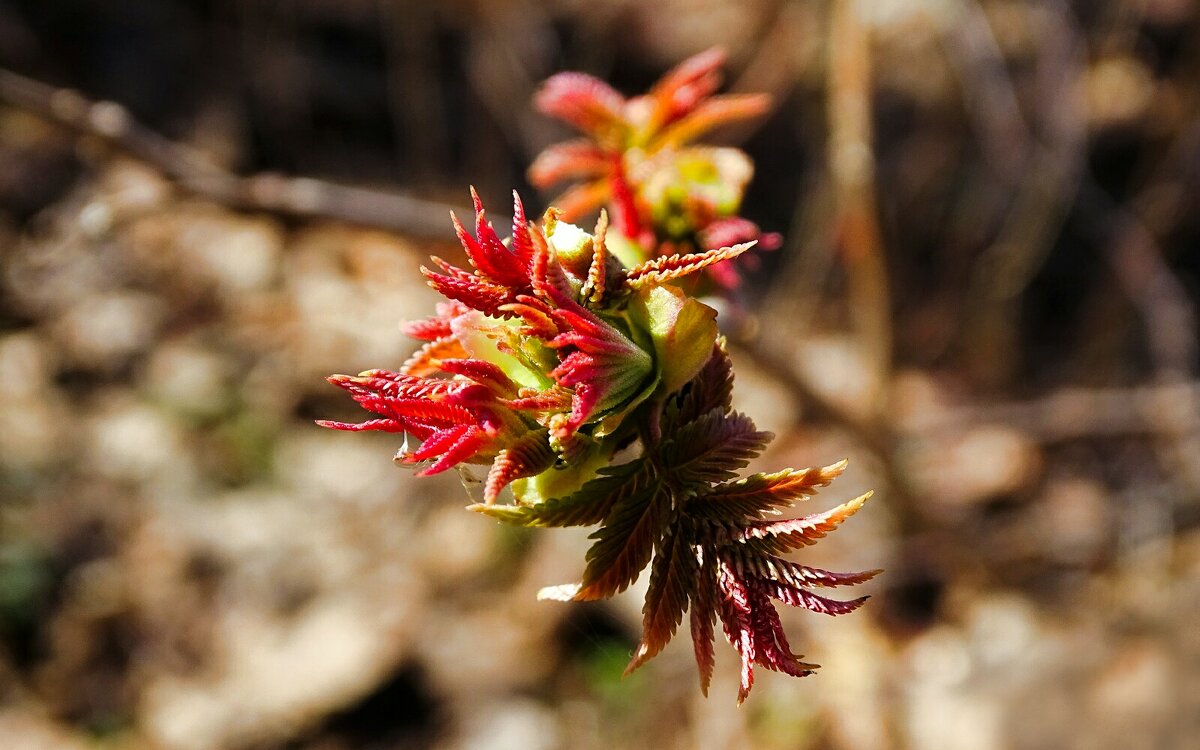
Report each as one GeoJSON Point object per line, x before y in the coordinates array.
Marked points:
{"type": "Point", "coordinates": [1040, 163]}
{"type": "Point", "coordinates": [1069, 413]}
{"type": "Point", "coordinates": [304, 197]}
{"type": "Point", "coordinates": [852, 169]}
{"type": "Point", "coordinates": [1170, 321]}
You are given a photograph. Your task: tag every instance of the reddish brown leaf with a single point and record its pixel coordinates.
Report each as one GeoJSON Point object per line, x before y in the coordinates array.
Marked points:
{"type": "Point", "coordinates": [759, 493]}
{"type": "Point", "coordinates": [673, 576]}
{"type": "Point", "coordinates": [738, 620]}
{"type": "Point", "coordinates": [712, 448]}
{"type": "Point", "coordinates": [794, 533]}
{"type": "Point", "coordinates": [625, 542]}
{"type": "Point", "coordinates": [711, 389]}
{"type": "Point", "coordinates": [798, 597]}
{"type": "Point", "coordinates": [771, 644]}
{"type": "Point", "coordinates": [703, 615]}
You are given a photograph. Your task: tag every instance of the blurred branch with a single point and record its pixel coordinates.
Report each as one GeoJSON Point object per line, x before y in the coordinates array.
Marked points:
{"type": "Point", "coordinates": [847, 205]}
{"type": "Point", "coordinates": [852, 168]}
{"type": "Point", "coordinates": [507, 56]}
{"type": "Point", "coordinates": [1072, 413]}
{"type": "Point", "coordinates": [808, 260]}
{"type": "Point", "coordinates": [1040, 163]}
{"type": "Point", "coordinates": [989, 94]}
{"type": "Point", "coordinates": [414, 93]}
{"type": "Point", "coordinates": [764, 72]}
{"type": "Point", "coordinates": [294, 196]}
{"type": "Point", "coordinates": [1170, 320]}
{"type": "Point", "coordinates": [1143, 273]}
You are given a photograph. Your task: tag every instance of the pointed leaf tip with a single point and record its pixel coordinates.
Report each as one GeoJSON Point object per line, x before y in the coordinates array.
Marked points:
{"type": "Point", "coordinates": [640, 657]}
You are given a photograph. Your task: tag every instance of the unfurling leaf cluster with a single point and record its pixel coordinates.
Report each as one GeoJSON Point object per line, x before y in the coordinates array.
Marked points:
{"type": "Point", "coordinates": [582, 369]}
{"type": "Point", "coordinates": [712, 541]}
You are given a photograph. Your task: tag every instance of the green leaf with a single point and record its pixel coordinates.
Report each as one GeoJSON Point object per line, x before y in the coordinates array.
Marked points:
{"type": "Point", "coordinates": [683, 331]}
{"type": "Point", "coordinates": [585, 460]}
{"type": "Point", "coordinates": [612, 421]}
{"type": "Point", "coordinates": [492, 340]}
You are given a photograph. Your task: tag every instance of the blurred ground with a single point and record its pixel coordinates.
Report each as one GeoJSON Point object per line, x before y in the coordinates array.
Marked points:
{"type": "Point", "coordinates": [987, 300]}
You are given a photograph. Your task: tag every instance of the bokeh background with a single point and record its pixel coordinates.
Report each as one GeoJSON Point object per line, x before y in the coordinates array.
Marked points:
{"type": "Point", "coordinates": [986, 299]}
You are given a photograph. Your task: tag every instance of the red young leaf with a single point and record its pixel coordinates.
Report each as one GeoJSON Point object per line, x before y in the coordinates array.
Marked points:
{"type": "Point", "coordinates": [569, 160]}
{"type": "Point", "coordinates": [583, 101]}
{"type": "Point", "coordinates": [472, 291]}
{"type": "Point", "coordinates": [482, 372]}
{"type": "Point", "coordinates": [713, 113]}
{"type": "Point", "coordinates": [449, 445]}
{"type": "Point", "coordinates": [437, 326]}
{"type": "Point", "coordinates": [527, 457]}
{"type": "Point", "coordinates": [582, 199]}
{"type": "Point", "coordinates": [686, 85]}
{"type": "Point", "coordinates": [798, 597]}
{"type": "Point", "coordinates": [522, 239]}
{"type": "Point", "coordinates": [428, 359]}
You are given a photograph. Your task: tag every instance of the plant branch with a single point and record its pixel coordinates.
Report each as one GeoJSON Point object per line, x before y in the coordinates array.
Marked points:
{"type": "Point", "coordinates": [303, 197]}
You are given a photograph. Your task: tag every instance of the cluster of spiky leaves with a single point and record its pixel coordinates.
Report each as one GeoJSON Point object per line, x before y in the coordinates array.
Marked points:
{"type": "Point", "coordinates": [713, 542]}
{"type": "Point", "coordinates": [560, 351]}
{"type": "Point", "coordinates": [539, 355]}
{"type": "Point", "coordinates": [638, 158]}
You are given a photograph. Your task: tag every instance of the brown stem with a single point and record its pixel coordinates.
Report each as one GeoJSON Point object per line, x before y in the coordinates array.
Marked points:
{"type": "Point", "coordinates": [294, 196]}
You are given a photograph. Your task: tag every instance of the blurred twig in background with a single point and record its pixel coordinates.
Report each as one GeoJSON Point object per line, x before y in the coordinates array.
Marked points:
{"type": "Point", "coordinates": [852, 172]}
{"type": "Point", "coordinates": [304, 197]}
